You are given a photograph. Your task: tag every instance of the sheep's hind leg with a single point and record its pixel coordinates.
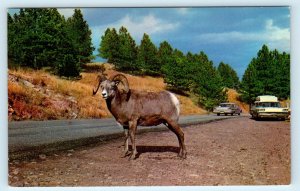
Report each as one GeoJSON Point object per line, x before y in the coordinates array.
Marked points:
{"type": "Point", "coordinates": [174, 127]}
{"type": "Point", "coordinates": [126, 147]}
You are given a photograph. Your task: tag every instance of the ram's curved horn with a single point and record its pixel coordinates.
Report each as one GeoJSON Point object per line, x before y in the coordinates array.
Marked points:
{"type": "Point", "coordinates": [120, 78]}
{"type": "Point", "coordinates": [100, 78]}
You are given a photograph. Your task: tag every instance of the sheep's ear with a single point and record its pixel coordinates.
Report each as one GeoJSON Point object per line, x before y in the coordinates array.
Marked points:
{"type": "Point", "coordinates": [113, 84]}
{"type": "Point", "coordinates": [117, 83]}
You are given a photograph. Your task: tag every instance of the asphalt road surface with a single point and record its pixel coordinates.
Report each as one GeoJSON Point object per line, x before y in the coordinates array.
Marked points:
{"type": "Point", "coordinates": [235, 151]}
{"type": "Point", "coordinates": [31, 138]}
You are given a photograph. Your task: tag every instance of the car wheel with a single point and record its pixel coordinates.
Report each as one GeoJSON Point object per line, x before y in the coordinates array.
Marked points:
{"type": "Point", "coordinates": [218, 114]}
{"type": "Point", "coordinates": [257, 118]}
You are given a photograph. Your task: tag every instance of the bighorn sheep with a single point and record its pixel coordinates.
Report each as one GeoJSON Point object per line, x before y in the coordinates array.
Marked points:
{"type": "Point", "coordinates": [132, 108]}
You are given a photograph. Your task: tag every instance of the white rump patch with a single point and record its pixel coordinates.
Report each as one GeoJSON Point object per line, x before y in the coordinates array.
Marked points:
{"type": "Point", "coordinates": [175, 102]}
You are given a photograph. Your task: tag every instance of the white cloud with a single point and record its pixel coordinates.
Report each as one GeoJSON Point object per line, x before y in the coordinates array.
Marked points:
{"type": "Point", "coordinates": [278, 38]}
{"type": "Point", "coordinates": [148, 24]}
{"type": "Point", "coordinates": [275, 33]}
{"type": "Point", "coordinates": [272, 35]}
{"type": "Point", "coordinates": [137, 27]}
{"type": "Point", "coordinates": [67, 12]}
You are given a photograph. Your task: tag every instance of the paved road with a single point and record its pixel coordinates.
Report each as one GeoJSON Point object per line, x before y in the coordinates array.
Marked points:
{"type": "Point", "coordinates": [47, 136]}
{"type": "Point", "coordinates": [237, 151]}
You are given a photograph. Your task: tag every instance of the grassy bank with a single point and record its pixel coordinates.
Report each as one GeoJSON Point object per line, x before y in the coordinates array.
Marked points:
{"type": "Point", "coordinates": [38, 95]}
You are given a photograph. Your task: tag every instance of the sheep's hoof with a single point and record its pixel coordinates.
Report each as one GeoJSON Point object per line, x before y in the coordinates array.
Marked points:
{"type": "Point", "coordinates": [133, 156]}
{"type": "Point", "coordinates": [126, 154]}
{"type": "Point", "coordinates": [182, 154]}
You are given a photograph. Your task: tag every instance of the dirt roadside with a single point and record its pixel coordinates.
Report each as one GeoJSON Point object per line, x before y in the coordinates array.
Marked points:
{"type": "Point", "coordinates": [237, 151]}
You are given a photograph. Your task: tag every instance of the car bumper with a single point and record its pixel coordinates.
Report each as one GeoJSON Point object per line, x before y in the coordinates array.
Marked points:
{"type": "Point", "coordinates": [272, 115]}
{"type": "Point", "coordinates": [223, 112]}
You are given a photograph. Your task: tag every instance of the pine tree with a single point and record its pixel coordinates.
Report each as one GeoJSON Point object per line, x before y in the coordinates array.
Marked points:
{"type": "Point", "coordinates": [147, 59]}
{"type": "Point", "coordinates": [195, 73]}
{"type": "Point", "coordinates": [80, 35]}
{"type": "Point", "coordinates": [32, 37]}
{"type": "Point", "coordinates": [208, 82]}
{"type": "Point", "coordinates": [282, 87]}
{"type": "Point", "coordinates": [228, 75]}
{"type": "Point", "coordinates": [267, 74]}
{"type": "Point", "coordinates": [109, 46]}
{"type": "Point", "coordinates": [248, 87]}
{"type": "Point", "coordinates": [165, 54]}
{"type": "Point", "coordinates": [126, 60]}
{"type": "Point", "coordinates": [67, 62]}
{"type": "Point", "coordinates": [16, 31]}
{"type": "Point", "coordinates": [10, 35]}
{"type": "Point", "coordinates": [177, 72]}
{"type": "Point", "coordinates": [42, 37]}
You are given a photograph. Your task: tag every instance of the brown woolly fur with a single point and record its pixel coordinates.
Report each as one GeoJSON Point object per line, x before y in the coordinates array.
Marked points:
{"type": "Point", "coordinates": [132, 108]}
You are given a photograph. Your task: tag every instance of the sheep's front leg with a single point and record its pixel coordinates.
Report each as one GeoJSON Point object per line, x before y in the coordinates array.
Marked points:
{"type": "Point", "coordinates": [126, 148]}
{"type": "Point", "coordinates": [132, 130]}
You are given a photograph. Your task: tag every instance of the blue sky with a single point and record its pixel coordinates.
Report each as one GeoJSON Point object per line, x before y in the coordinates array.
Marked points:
{"type": "Point", "coordinates": [229, 34]}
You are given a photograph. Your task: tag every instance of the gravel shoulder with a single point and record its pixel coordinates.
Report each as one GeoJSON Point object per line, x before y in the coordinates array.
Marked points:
{"type": "Point", "coordinates": [237, 151]}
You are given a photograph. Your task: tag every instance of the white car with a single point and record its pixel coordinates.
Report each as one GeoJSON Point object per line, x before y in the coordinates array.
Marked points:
{"type": "Point", "coordinates": [227, 109]}
{"type": "Point", "coordinates": [268, 107]}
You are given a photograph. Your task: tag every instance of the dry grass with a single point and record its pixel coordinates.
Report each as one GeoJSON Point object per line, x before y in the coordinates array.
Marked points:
{"type": "Point", "coordinates": [57, 104]}
{"type": "Point", "coordinates": [16, 89]}
{"type": "Point", "coordinates": [24, 100]}
{"type": "Point", "coordinates": [54, 105]}
{"type": "Point", "coordinates": [188, 107]}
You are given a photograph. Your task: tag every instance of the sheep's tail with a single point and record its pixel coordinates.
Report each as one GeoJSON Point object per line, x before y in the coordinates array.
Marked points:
{"type": "Point", "coordinates": [176, 103]}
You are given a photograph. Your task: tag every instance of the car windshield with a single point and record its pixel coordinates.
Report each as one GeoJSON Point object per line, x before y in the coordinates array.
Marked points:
{"type": "Point", "coordinates": [268, 104]}
{"type": "Point", "coordinates": [225, 105]}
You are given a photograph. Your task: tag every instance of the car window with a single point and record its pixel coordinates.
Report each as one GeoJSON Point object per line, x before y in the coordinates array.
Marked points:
{"type": "Point", "coordinates": [275, 104]}
{"type": "Point", "coordinates": [268, 104]}
{"type": "Point", "coordinates": [226, 105]}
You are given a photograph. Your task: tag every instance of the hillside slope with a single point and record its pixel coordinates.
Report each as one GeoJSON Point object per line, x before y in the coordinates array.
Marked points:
{"type": "Point", "coordinates": [38, 95]}
{"type": "Point", "coordinates": [233, 97]}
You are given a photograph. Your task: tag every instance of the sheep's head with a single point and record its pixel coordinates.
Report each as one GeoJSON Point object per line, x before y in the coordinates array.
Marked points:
{"type": "Point", "coordinates": [110, 86]}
